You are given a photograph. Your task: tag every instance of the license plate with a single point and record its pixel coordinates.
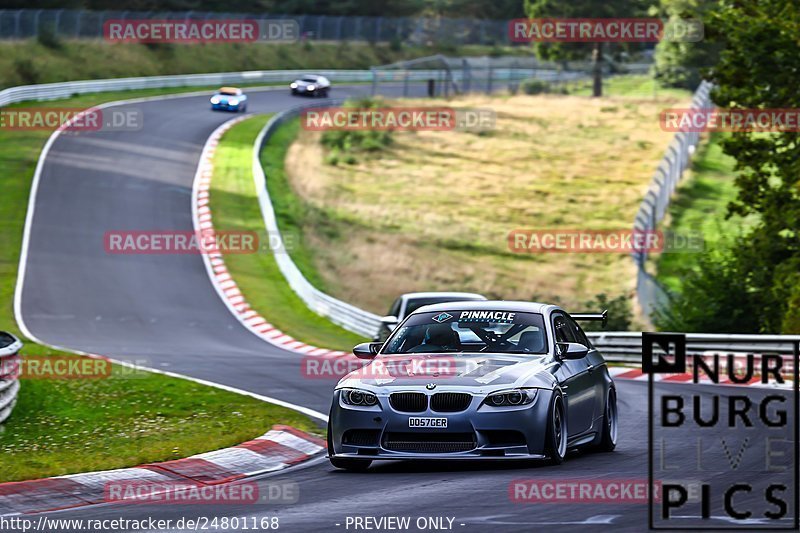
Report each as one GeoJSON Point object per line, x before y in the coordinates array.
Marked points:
{"type": "Point", "coordinates": [420, 422]}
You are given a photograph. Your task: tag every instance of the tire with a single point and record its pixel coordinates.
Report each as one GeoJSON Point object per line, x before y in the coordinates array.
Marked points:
{"type": "Point", "coordinates": [556, 438]}
{"type": "Point", "coordinates": [353, 465]}
{"type": "Point", "coordinates": [608, 440]}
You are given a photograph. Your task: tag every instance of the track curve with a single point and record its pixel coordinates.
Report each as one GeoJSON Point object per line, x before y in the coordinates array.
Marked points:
{"type": "Point", "coordinates": [163, 308]}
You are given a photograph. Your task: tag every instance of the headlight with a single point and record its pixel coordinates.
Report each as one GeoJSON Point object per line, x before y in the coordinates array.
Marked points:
{"type": "Point", "coordinates": [359, 397]}
{"type": "Point", "coordinates": [511, 397]}
{"type": "Point", "coordinates": [214, 99]}
{"type": "Point", "coordinates": [311, 87]}
{"type": "Point", "coordinates": [293, 86]}
{"type": "Point", "coordinates": [233, 101]}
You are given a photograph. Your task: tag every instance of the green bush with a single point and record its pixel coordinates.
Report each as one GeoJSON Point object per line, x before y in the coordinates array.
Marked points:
{"type": "Point", "coordinates": [620, 314]}
{"type": "Point", "coordinates": [791, 320]}
{"type": "Point", "coordinates": [535, 87]}
{"type": "Point", "coordinates": [714, 298]}
{"type": "Point", "coordinates": [345, 145]}
{"type": "Point", "coordinates": [48, 37]}
{"type": "Point", "coordinates": [26, 71]}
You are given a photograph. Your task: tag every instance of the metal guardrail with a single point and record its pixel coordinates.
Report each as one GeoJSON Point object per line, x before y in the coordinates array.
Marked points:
{"type": "Point", "coordinates": [649, 293]}
{"type": "Point", "coordinates": [342, 313]}
{"type": "Point", "coordinates": [626, 347]}
{"type": "Point", "coordinates": [53, 91]}
{"type": "Point", "coordinates": [9, 382]}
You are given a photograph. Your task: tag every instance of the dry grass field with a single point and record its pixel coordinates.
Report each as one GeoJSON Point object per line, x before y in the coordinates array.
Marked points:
{"type": "Point", "coordinates": [434, 210]}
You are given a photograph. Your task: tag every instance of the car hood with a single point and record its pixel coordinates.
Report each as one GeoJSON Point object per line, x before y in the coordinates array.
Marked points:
{"type": "Point", "coordinates": [223, 98]}
{"type": "Point", "coordinates": [473, 371]}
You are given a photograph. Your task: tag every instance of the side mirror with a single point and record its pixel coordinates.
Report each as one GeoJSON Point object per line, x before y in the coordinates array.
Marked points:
{"type": "Point", "coordinates": [571, 350]}
{"type": "Point", "coordinates": [367, 350]}
{"type": "Point", "coordinates": [390, 321]}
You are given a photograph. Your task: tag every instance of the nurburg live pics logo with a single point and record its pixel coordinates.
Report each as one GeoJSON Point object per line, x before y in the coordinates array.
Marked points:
{"type": "Point", "coordinates": [740, 441]}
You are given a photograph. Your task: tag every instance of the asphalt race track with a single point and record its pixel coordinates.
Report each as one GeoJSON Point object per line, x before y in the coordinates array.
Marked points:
{"type": "Point", "coordinates": [162, 310]}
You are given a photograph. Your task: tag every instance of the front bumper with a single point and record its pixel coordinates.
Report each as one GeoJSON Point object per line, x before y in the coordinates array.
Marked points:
{"type": "Point", "coordinates": [305, 92]}
{"type": "Point", "coordinates": [225, 107]}
{"type": "Point", "coordinates": [478, 432]}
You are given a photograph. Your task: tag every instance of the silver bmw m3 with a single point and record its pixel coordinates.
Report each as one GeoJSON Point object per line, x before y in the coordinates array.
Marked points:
{"type": "Point", "coordinates": [475, 380]}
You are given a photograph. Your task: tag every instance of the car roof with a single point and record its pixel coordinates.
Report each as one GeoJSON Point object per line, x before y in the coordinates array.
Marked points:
{"type": "Point", "coordinates": [493, 305]}
{"type": "Point", "coordinates": [473, 295]}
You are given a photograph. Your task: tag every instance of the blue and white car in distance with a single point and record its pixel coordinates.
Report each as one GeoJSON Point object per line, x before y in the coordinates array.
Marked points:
{"type": "Point", "coordinates": [229, 99]}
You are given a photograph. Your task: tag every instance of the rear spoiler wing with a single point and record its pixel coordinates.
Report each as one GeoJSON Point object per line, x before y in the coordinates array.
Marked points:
{"type": "Point", "coordinates": [599, 317]}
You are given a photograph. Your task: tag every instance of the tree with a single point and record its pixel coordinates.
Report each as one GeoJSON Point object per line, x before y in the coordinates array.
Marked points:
{"type": "Point", "coordinates": [583, 9]}
{"type": "Point", "coordinates": [759, 68]}
{"type": "Point", "coordinates": [684, 64]}
{"type": "Point", "coordinates": [753, 285]}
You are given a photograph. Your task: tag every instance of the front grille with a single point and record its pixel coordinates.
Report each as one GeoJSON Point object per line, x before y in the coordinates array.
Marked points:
{"type": "Point", "coordinates": [409, 402]}
{"type": "Point", "coordinates": [450, 402]}
{"type": "Point", "coordinates": [361, 437]}
{"type": "Point", "coordinates": [429, 442]}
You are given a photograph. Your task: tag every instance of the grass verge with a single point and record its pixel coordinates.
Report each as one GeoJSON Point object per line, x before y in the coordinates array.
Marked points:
{"type": "Point", "coordinates": [68, 426]}
{"type": "Point", "coordinates": [434, 209]}
{"type": "Point", "coordinates": [234, 207]}
{"type": "Point", "coordinates": [640, 86]}
{"type": "Point", "coordinates": [29, 62]}
{"type": "Point", "coordinates": [700, 206]}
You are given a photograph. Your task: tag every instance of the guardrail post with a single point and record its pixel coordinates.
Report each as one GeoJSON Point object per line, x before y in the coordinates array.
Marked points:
{"type": "Point", "coordinates": [58, 22]}
{"type": "Point", "coordinates": [36, 22]}
{"type": "Point", "coordinates": [17, 24]}
{"type": "Point", "coordinates": [339, 23]}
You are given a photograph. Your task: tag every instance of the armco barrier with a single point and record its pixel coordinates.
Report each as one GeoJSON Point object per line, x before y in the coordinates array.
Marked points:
{"type": "Point", "coordinates": [626, 347]}
{"type": "Point", "coordinates": [9, 384]}
{"type": "Point", "coordinates": [346, 315]}
{"type": "Point", "coordinates": [54, 91]}
{"type": "Point", "coordinates": [649, 294]}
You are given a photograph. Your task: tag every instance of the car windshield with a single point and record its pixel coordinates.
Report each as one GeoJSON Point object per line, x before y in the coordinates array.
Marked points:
{"type": "Point", "coordinates": [467, 331]}
{"type": "Point", "coordinates": [416, 303]}
{"type": "Point", "coordinates": [229, 92]}
{"type": "Point", "coordinates": [310, 80]}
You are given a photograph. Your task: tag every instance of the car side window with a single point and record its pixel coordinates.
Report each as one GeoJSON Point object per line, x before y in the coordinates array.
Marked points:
{"type": "Point", "coordinates": [395, 309]}
{"type": "Point", "coordinates": [579, 334]}
{"type": "Point", "coordinates": [561, 329]}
